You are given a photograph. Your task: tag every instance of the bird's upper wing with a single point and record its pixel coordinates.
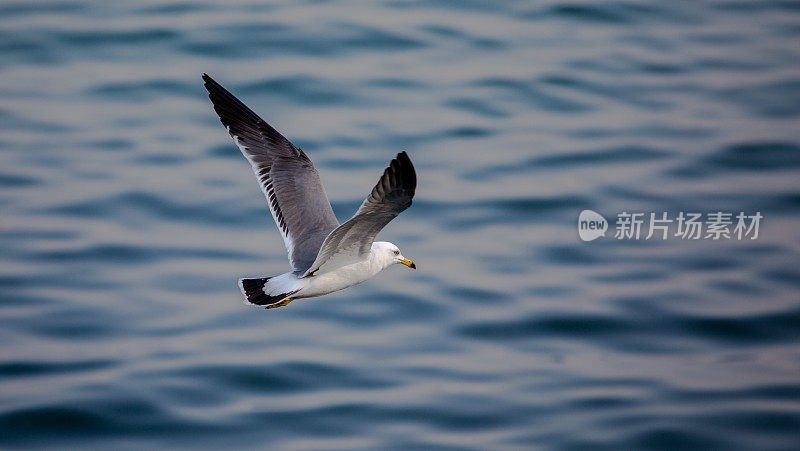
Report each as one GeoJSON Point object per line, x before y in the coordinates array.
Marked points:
{"type": "Point", "coordinates": [351, 241]}
{"type": "Point", "coordinates": [290, 182]}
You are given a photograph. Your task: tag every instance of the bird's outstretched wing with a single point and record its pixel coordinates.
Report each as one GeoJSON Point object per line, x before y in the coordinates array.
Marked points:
{"type": "Point", "coordinates": [351, 241]}
{"type": "Point", "coordinates": [290, 182]}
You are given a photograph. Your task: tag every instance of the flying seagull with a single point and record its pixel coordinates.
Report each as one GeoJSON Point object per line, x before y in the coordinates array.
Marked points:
{"type": "Point", "coordinates": [325, 256]}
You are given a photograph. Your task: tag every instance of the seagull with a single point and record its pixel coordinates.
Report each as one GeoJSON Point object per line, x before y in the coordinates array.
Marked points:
{"type": "Point", "coordinates": [325, 256]}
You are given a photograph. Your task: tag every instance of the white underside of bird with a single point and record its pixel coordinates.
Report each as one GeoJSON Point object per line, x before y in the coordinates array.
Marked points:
{"type": "Point", "coordinates": [380, 257]}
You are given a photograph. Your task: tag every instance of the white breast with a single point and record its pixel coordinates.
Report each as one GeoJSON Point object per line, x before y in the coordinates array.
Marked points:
{"type": "Point", "coordinates": [340, 278]}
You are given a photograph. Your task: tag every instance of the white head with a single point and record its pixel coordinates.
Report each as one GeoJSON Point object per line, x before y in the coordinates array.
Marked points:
{"type": "Point", "coordinates": [389, 254]}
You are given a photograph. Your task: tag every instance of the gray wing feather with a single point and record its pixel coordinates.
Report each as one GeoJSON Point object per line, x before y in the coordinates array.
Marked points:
{"type": "Point", "coordinates": [351, 241]}
{"type": "Point", "coordinates": [290, 182]}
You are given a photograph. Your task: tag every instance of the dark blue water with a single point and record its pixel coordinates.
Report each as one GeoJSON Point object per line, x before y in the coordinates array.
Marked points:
{"type": "Point", "coordinates": [126, 216]}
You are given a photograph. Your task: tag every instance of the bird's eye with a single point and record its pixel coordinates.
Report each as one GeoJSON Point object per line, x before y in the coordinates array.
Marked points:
{"type": "Point", "coordinates": [396, 252]}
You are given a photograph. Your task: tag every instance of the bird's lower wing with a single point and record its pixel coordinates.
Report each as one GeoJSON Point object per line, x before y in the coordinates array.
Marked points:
{"type": "Point", "coordinates": [351, 242]}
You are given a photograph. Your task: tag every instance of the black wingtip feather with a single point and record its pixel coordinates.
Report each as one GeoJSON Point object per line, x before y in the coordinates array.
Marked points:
{"type": "Point", "coordinates": [230, 109]}
{"type": "Point", "coordinates": [405, 172]}
{"type": "Point", "coordinates": [244, 123]}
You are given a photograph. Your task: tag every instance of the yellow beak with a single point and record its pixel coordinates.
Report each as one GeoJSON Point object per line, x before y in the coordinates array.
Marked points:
{"type": "Point", "coordinates": [408, 263]}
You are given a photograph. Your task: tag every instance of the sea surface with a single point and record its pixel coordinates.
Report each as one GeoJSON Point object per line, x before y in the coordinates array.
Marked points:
{"type": "Point", "coordinates": [127, 215]}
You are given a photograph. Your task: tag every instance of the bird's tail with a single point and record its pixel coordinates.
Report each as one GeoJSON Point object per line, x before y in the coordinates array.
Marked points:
{"type": "Point", "coordinates": [255, 290]}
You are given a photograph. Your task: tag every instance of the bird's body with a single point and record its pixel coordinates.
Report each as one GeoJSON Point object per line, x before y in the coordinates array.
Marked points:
{"type": "Point", "coordinates": [335, 280]}
{"type": "Point", "coordinates": [325, 256]}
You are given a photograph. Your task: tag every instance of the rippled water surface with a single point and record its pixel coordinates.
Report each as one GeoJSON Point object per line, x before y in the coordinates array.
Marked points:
{"type": "Point", "coordinates": [127, 214]}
